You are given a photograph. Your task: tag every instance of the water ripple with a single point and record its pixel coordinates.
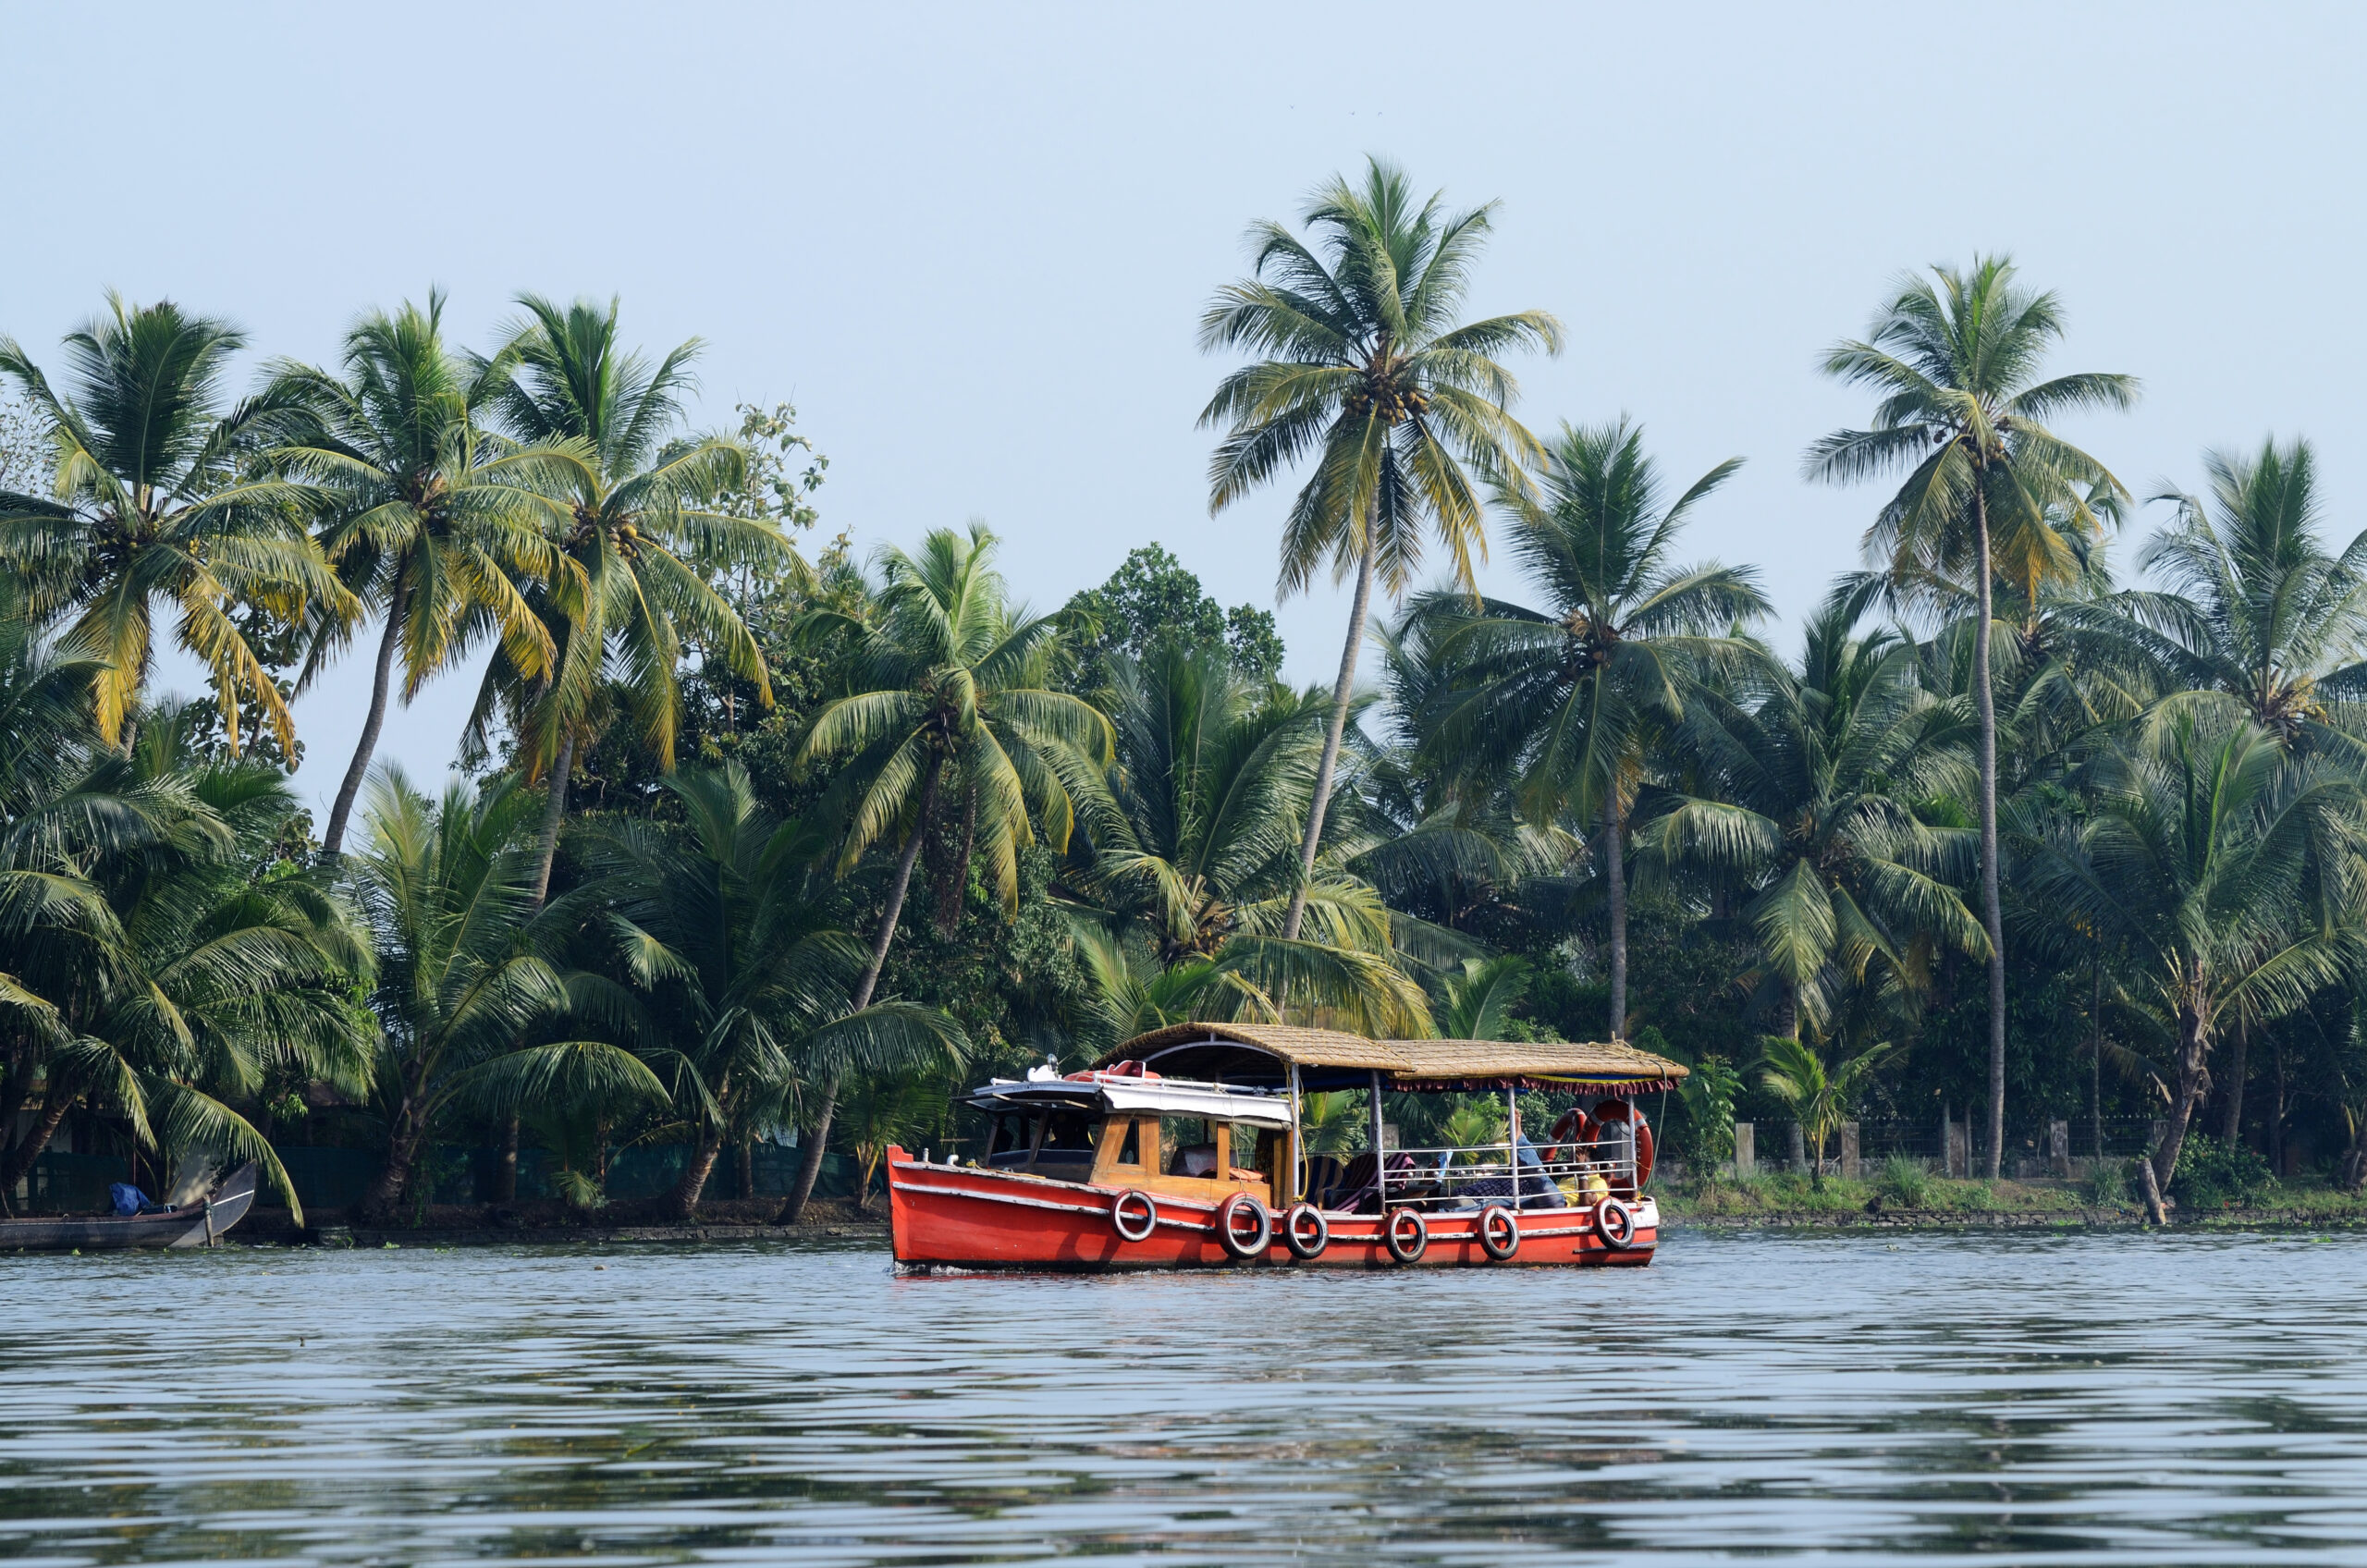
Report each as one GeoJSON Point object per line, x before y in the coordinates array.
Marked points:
{"type": "Point", "coordinates": [2098, 1398]}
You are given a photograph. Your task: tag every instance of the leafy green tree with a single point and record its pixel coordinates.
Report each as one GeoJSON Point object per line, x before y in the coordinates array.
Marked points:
{"type": "Point", "coordinates": [950, 707]}
{"type": "Point", "coordinates": [1480, 1001]}
{"type": "Point", "coordinates": [1707, 1096]}
{"type": "Point", "coordinates": [434, 525]}
{"type": "Point", "coordinates": [467, 977]}
{"type": "Point", "coordinates": [1364, 368]}
{"type": "Point", "coordinates": [639, 543]}
{"type": "Point", "coordinates": [162, 969]}
{"type": "Point", "coordinates": [155, 502]}
{"type": "Point", "coordinates": [2225, 868]}
{"type": "Point", "coordinates": [1565, 701]}
{"type": "Point", "coordinates": [1989, 490]}
{"type": "Point", "coordinates": [1818, 784]}
{"type": "Point", "coordinates": [2259, 614]}
{"type": "Point", "coordinates": [1210, 778]}
{"type": "Point", "coordinates": [744, 986]}
{"type": "Point", "coordinates": [1149, 599]}
{"type": "Point", "coordinates": [1819, 1098]}
{"type": "Point", "coordinates": [62, 811]}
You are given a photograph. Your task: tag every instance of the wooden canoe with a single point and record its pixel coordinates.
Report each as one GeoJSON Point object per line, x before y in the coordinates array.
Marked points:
{"type": "Point", "coordinates": [189, 1225]}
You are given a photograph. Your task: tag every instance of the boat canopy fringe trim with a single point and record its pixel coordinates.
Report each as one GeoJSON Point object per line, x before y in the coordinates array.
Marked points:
{"type": "Point", "coordinates": [1610, 1067]}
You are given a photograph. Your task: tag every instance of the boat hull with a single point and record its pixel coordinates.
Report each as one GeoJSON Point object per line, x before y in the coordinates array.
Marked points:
{"type": "Point", "coordinates": [191, 1225]}
{"type": "Point", "coordinates": [961, 1217]}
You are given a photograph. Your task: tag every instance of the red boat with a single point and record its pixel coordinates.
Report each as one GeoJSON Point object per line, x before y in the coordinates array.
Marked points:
{"type": "Point", "coordinates": [1182, 1149]}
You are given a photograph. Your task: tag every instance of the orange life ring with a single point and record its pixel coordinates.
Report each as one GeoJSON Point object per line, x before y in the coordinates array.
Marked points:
{"type": "Point", "coordinates": [1608, 1111]}
{"type": "Point", "coordinates": [1577, 1131]}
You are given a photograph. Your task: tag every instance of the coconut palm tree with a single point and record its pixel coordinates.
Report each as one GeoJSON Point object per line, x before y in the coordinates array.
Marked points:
{"type": "Point", "coordinates": [950, 707]}
{"type": "Point", "coordinates": [157, 504]}
{"type": "Point", "coordinates": [2259, 614]}
{"type": "Point", "coordinates": [638, 544]}
{"type": "Point", "coordinates": [1989, 490]}
{"type": "Point", "coordinates": [1363, 369]}
{"type": "Point", "coordinates": [1562, 701]}
{"type": "Point", "coordinates": [1193, 870]}
{"type": "Point", "coordinates": [433, 525]}
{"type": "Point", "coordinates": [1817, 782]}
{"type": "Point", "coordinates": [466, 977]}
{"type": "Point", "coordinates": [746, 988]}
{"type": "Point", "coordinates": [1818, 1098]}
{"type": "Point", "coordinates": [2225, 869]}
{"type": "Point", "coordinates": [169, 971]}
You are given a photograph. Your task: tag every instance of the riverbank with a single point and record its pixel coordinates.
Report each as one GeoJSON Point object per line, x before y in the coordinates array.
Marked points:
{"type": "Point", "coordinates": [451, 1225]}
{"type": "Point", "coordinates": [1929, 1203]}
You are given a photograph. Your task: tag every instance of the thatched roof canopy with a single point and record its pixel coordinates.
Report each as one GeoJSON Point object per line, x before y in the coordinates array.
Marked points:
{"type": "Point", "coordinates": [1261, 1053]}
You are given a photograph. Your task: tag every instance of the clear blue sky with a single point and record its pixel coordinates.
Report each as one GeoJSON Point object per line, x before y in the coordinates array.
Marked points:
{"type": "Point", "coordinates": [972, 243]}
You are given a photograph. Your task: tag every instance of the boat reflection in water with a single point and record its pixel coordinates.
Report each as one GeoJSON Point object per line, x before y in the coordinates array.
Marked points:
{"type": "Point", "coordinates": [1182, 1149]}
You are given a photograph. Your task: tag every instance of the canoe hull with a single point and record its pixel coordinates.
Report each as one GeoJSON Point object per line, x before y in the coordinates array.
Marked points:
{"type": "Point", "coordinates": [961, 1217]}
{"type": "Point", "coordinates": [191, 1225]}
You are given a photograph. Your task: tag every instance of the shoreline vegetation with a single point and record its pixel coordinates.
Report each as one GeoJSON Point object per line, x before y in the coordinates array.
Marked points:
{"type": "Point", "coordinates": [2051, 815]}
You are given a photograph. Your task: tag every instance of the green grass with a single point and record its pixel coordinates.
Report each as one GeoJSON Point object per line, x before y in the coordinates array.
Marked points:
{"type": "Point", "coordinates": [1905, 1189]}
{"type": "Point", "coordinates": [1919, 1193]}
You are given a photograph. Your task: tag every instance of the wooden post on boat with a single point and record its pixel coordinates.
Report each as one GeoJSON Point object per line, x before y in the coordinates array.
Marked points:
{"type": "Point", "coordinates": [1379, 1155]}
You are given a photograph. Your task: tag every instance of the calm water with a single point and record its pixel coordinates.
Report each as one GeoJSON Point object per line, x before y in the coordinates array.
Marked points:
{"type": "Point", "coordinates": [2107, 1399]}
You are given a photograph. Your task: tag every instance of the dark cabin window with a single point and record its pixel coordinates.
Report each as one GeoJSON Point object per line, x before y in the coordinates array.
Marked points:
{"type": "Point", "coordinates": [1131, 1151]}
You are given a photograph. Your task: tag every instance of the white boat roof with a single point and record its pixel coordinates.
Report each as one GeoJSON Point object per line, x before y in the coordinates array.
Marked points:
{"type": "Point", "coordinates": [1125, 1093]}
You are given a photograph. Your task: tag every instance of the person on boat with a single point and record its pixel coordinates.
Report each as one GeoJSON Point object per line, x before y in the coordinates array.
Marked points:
{"type": "Point", "coordinates": [128, 1200]}
{"type": "Point", "coordinates": [1537, 1189]}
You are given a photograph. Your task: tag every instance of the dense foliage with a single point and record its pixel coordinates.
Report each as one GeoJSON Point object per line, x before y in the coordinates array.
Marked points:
{"type": "Point", "coordinates": [759, 843]}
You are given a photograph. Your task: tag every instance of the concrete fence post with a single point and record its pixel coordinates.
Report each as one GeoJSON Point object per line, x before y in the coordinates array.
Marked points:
{"type": "Point", "coordinates": [1959, 1157]}
{"type": "Point", "coordinates": [2058, 1148]}
{"type": "Point", "coordinates": [1851, 1165]}
{"type": "Point", "coordinates": [1746, 1149]}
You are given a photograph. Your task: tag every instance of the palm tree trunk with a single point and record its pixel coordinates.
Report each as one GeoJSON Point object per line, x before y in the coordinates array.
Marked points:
{"type": "Point", "coordinates": [2276, 1110]}
{"type": "Point", "coordinates": [1992, 916]}
{"type": "Point", "coordinates": [36, 1139]}
{"type": "Point", "coordinates": [809, 1163]}
{"type": "Point", "coordinates": [553, 811]}
{"type": "Point", "coordinates": [382, 679]}
{"type": "Point", "coordinates": [385, 1194]}
{"type": "Point", "coordinates": [505, 1169]}
{"type": "Point", "coordinates": [1614, 866]}
{"type": "Point", "coordinates": [2231, 1126]}
{"type": "Point", "coordinates": [683, 1201]}
{"type": "Point", "coordinates": [1342, 690]}
{"type": "Point", "coordinates": [956, 885]}
{"type": "Point", "coordinates": [2191, 1082]}
{"type": "Point", "coordinates": [2096, 1051]}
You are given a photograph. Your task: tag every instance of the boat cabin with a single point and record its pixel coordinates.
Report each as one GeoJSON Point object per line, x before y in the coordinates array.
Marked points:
{"type": "Point", "coordinates": [1127, 1127]}
{"type": "Point", "coordinates": [1204, 1111]}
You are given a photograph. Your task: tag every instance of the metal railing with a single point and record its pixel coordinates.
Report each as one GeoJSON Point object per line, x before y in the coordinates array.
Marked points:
{"type": "Point", "coordinates": [1467, 1177]}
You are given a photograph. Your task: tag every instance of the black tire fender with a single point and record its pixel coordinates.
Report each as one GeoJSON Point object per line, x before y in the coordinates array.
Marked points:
{"type": "Point", "coordinates": [1406, 1235]}
{"type": "Point", "coordinates": [1306, 1231]}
